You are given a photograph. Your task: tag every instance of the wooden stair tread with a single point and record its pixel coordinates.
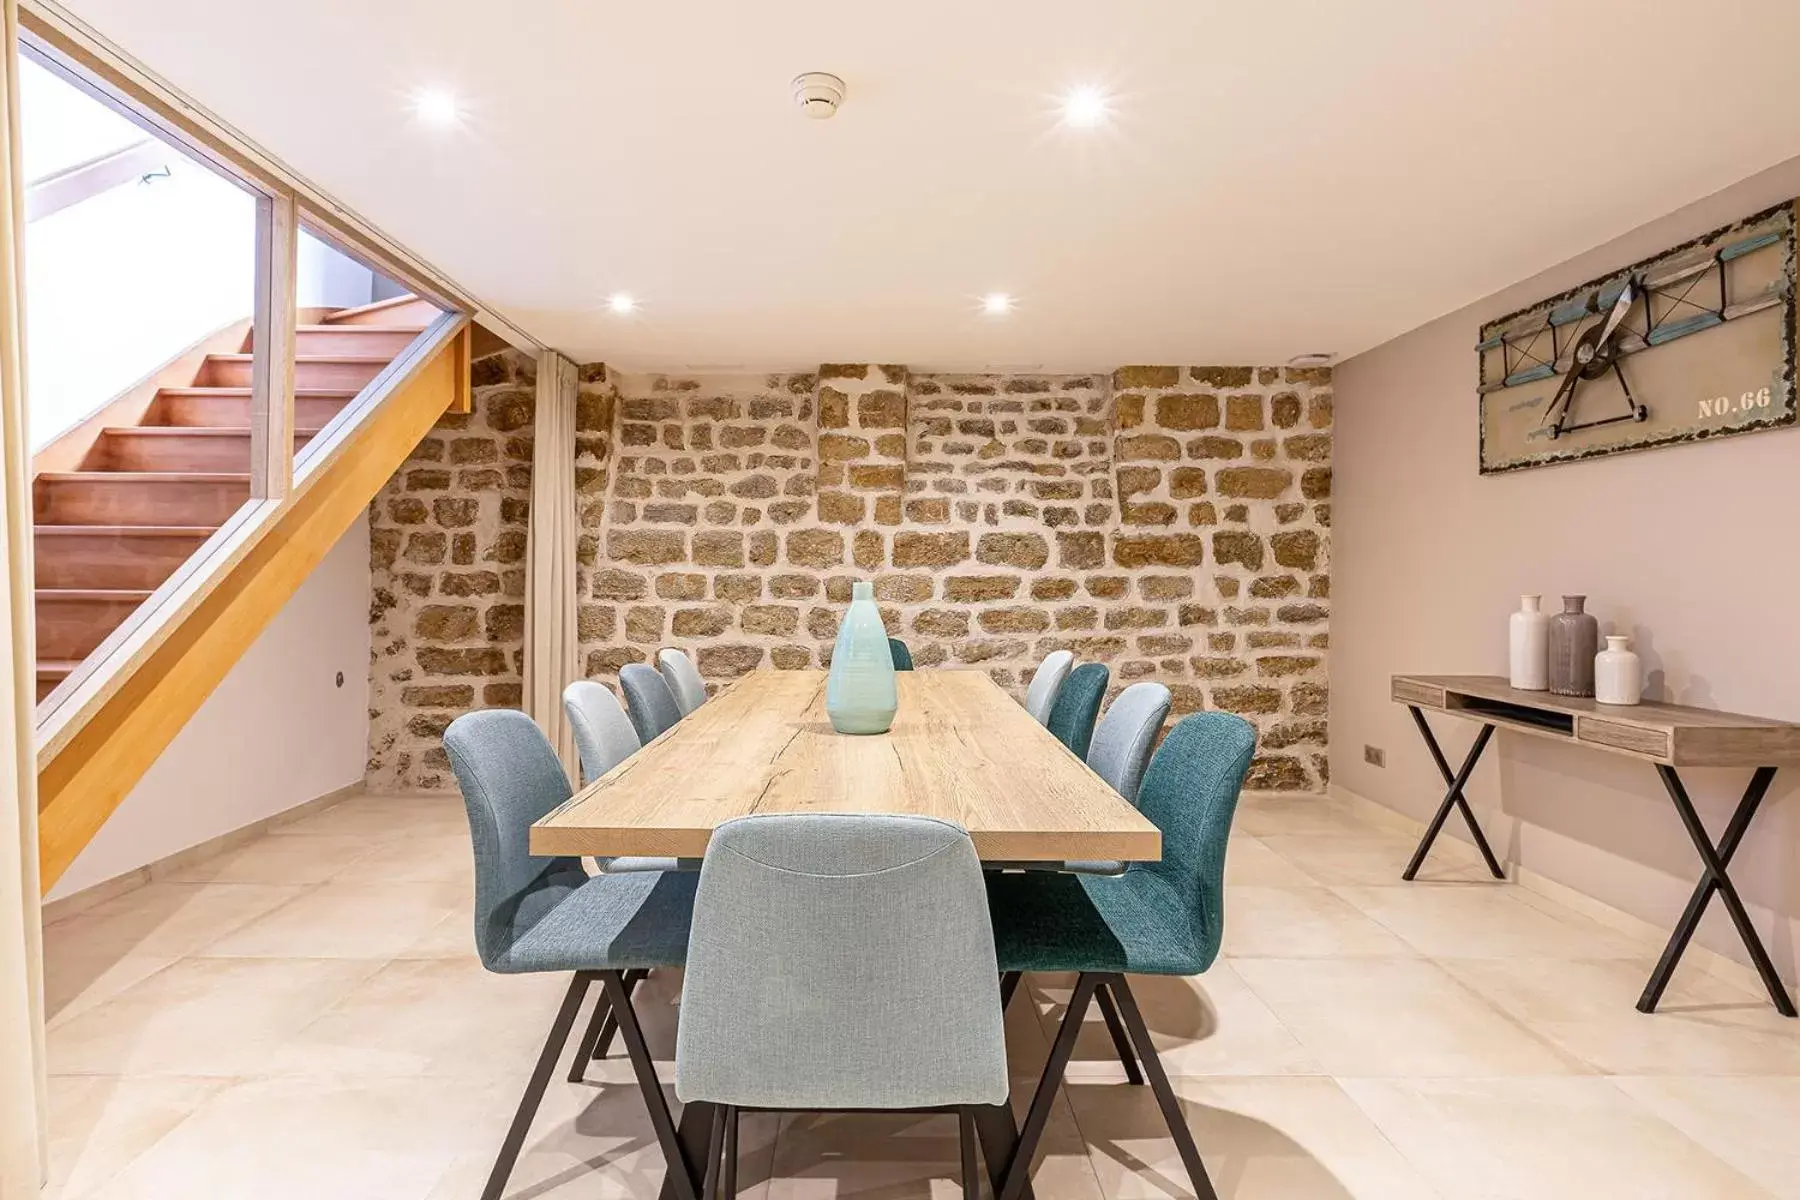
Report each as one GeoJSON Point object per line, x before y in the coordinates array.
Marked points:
{"type": "Point", "coordinates": [342, 327]}
{"type": "Point", "coordinates": [361, 359]}
{"type": "Point", "coordinates": [185, 531]}
{"type": "Point", "coordinates": [343, 315]}
{"type": "Point", "coordinates": [299, 393]}
{"type": "Point", "coordinates": [146, 476]}
{"type": "Point", "coordinates": [192, 431]}
{"type": "Point", "coordinates": [137, 594]}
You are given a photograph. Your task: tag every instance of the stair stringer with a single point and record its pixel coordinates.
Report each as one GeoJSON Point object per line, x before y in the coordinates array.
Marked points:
{"type": "Point", "coordinates": [88, 765]}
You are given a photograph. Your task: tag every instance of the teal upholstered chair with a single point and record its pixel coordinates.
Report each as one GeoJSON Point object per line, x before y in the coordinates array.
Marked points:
{"type": "Point", "coordinates": [902, 656]}
{"type": "Point", "coordinates": [535, 914]}
{"type": "Point", "coordinates": [813, 983]}
{"type": "Point", "coordinates": [1158, 918]}
{"type": "Point", "coordinates": [1077, 706]}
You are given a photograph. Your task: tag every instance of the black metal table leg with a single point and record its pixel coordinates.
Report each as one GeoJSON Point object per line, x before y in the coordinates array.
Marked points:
{"type": "Point", "coordinates": [1452, 798]}
{"type": "Point", "coordinates": [693, 1135]}
{"type": "Point", "coordinates": [1713, 861]}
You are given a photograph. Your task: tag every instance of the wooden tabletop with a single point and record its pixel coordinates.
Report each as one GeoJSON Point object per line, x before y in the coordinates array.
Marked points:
{"type": "Point", "coordinates": [960, 749]}
{"type": "Point", "coordinates": [1674, 734]}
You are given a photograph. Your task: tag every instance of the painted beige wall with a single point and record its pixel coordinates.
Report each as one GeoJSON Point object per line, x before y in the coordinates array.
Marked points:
{"type": "Point", "coordinates": [1690, 550]}
{"type": "Point", "coordinates": [277, 731]}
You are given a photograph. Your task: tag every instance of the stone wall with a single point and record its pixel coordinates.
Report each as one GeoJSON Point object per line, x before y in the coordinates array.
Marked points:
{"type": "Point", "coordinates": [1171, 522]}
{"type": "Point", "coordinates": [447, 554]}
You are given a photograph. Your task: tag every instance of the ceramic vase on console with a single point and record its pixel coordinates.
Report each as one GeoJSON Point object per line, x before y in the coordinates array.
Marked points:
{"type": "Point", "coordinates": [860, 694]}
{"type": "Point", "coordinates": [1618, 674]}
{"type": "Point", "coordinates": [1574, 638]}
{"type": "Point", "coordinates": [1528, 644]}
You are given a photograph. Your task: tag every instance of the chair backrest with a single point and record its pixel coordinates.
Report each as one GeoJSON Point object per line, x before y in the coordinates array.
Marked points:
{"type": "Point", "coordinates": [1077, 705]}
{"type": "Point", "coordinates": [1190, 791]}
{"type": "Point", "coordinates": [1040, 697]}
{"type": "Point", "coordinates": [653, 706]}
{"type": "Point", "coordinates": [1125, 735]}
{"type": "Point", "coordinates": [604, 736]}
{"type": "Point", "coordinates": [510, 777]}
{"type": "Point", "coordinates": [683, 678]}
{"type": "Point", "coordinates": [902, 655]}
{"type": "Point", "coordinates": [840, 961]}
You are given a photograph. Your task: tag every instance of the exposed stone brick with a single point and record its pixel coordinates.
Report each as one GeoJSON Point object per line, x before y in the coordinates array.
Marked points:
{"type": "Point", "coordinates": [1296, 548]}
{"type": "Point", "coordinates": [732, 514]}
{"type": "Point", "coordinates": [934, 550]}
{"type": "Point", "coordinates": [1027, 550]}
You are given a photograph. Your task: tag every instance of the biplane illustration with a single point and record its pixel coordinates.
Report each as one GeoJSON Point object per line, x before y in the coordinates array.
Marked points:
{"type": "Point", "coordinates": [1674, 300]}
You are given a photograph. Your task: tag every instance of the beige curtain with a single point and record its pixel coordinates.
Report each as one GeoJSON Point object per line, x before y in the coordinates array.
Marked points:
{"type": "Point", "coordinates": [550, 649]}
{"type": "Point", "coordinates": [23, 1103]}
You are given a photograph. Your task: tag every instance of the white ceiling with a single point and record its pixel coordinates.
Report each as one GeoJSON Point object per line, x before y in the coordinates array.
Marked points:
{"type": "Point", "coordinates": [1278, 177]}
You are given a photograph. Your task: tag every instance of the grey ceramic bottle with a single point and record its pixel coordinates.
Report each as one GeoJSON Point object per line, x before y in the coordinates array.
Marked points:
{"type": "Point", "coordinates": [1574, 638]}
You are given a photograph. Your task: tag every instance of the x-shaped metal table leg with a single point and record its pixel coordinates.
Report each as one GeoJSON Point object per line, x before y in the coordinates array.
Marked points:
{"type": "Point", "coordinates": [1452, 798]}
{"type": "Point", "coordinates": [1714, 860]}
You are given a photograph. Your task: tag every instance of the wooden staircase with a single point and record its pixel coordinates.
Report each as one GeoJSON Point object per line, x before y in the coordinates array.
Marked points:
{"type": "Point", "coordinates": [146, 495]}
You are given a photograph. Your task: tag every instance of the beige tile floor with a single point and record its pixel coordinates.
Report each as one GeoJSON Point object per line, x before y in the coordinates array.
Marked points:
{"type": "Point", "coordinates": [304, 1017]}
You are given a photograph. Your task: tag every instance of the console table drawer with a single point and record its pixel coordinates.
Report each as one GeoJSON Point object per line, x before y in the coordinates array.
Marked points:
{"type": "Point", "coordinates": [1635, 738]}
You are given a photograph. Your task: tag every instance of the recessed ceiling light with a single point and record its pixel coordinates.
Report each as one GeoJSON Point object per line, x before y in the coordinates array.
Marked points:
{"type": "Point", "coordinates": [435, 106]}
{"type": "Point", "coordinates": [1084, 107]}
{"type": "Point", "coordinates": [996, 304]}
{"type": "Point", "coordinates": [621, 302]}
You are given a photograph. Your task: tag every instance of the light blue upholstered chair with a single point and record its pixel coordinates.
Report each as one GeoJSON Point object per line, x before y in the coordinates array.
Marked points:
{"type": "Point", "coordinates": [1158, 918]}
{"type": "Point", "coordinates": [684, 680]}
{"type": "Point", "coordinates": [1126, 734]}
{"type": "Point", "coordinates": [604, 735]}
{"type": "Point", "coordinates": [654, 709]}
{"type": "Point", "coordinates": [1077, 706]}
{"type": "Point", "coordinates": [1040, 697]}
{"type": "Point", "coordinates": [840, 962]}
{"type": "Point", "coordinates": [535, 914]}
{"type": "Point", "coordinates": [902, 655]}
{"type": "Point", "coordinates": [604, 738]}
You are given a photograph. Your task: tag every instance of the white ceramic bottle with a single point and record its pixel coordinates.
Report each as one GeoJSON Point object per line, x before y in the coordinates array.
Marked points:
{"type": "Point", "coordinates": [1529, 646]}
{"type": "Point", "coordinates": [1618, 673]}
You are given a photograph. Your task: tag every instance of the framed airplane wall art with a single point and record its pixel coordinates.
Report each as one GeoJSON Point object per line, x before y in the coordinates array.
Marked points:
{"type": "Point", "coordinates": [1695, 343]}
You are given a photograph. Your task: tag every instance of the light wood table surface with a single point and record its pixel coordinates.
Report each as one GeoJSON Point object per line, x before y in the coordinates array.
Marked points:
{"type": "Point", "coordinates": [960, 749]}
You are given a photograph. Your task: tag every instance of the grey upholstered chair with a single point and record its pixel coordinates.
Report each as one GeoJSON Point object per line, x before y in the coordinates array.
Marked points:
{"type": "Point", "coordinates": [1126, 734]}
{"type": "Point", "coordinates": [813, 981]}
{"type": "Point", "coordinates": [683, 679]}
{"type": "Point", "coordinates": [654, 709]}
{"type": "Point", "coordinates": [605, 738]}
{"type": "Point", "coordinates": [1040, 697]}
{"type": "Point", "coordinates": [535, 914]}
{"type": "Point", "coordinates": [604, 735]}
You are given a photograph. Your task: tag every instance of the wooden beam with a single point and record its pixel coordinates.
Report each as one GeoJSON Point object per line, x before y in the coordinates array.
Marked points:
{"type": "Point", "coordinates": [465, 395]}
{"type": "Point", "coordinates": [80, 787]}
{"type": "Point", "coordinates": [272, 343]}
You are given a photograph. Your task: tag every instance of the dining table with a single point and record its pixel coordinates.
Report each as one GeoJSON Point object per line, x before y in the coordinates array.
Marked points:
{"type": "Point", "coordinates": [960, 749]}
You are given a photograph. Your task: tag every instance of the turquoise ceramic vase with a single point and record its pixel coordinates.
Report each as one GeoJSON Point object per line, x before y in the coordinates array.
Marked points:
{"type": "Point", "coordinates": [860, 696]}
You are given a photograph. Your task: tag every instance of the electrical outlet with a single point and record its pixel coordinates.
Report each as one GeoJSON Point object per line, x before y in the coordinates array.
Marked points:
{"type": "Point", "coordinates": [1375, 756]}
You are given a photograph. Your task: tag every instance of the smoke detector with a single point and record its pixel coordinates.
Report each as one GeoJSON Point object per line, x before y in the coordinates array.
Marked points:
{"type": "Point", "coordinates": [818, 94]}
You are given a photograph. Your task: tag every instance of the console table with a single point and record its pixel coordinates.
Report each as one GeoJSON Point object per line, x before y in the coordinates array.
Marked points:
{"type": "Point", "coordinates": [1666, 735]}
